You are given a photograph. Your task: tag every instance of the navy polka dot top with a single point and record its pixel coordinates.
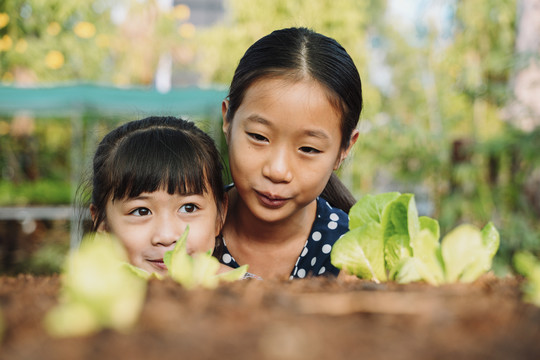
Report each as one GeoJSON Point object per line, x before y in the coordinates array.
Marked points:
{"type": "Point", "coordinates": [314, 260]}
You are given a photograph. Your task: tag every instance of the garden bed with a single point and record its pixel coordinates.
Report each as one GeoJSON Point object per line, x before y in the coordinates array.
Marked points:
{"type": "Point", "coordinates": [301, 319]}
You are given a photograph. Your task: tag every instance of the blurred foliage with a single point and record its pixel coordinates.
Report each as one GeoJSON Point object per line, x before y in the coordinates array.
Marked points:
{"type": "Point", "coordinates": [108, 41]}
{"type": "Point", "coordinates": [34, 160]}
{"type": "Point", "coordinates": [440, 128]}
{"type": "Point", "coordinates": [220, 47]}
{"type": "Point", "coordinates": [48, 259]}
{"type": "Point", "coordinates": [39, 192]}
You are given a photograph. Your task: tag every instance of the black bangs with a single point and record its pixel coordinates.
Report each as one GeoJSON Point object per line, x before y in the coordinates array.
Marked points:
{"type": "Point", "coordinates": [147, 161]}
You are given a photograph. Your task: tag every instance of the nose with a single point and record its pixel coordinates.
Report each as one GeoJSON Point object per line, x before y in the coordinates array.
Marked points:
{"type": "Point", "coordinates": [277, 167]}
{"type": "Point", "coordinates": [166, 232]}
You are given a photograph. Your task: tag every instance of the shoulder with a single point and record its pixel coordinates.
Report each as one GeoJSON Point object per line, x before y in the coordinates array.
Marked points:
{"type": "Point", "coordinates": [329, 220]}
{"type": "Point", "coordinates": [329, 225]}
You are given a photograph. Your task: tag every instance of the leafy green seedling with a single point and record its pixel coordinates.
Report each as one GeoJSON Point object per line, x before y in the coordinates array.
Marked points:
{"type": "Point", "coordinates": [98, 290]}
{"type": "Point", "coordinates": [529, 266]}
{"type": "Point", "coordinates": [201, 269]}
{"type": "Point", "coordinates": [389, 241]}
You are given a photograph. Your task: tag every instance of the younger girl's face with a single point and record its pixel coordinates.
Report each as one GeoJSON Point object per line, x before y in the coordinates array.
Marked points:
{"type": "Point", "coordinates": [150, 224]}
{"type": "Point", "coordinates": [284, 142]}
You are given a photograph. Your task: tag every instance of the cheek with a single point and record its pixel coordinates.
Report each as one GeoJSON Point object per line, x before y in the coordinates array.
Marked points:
{"type": "Point", "coordinates": [201, 241]}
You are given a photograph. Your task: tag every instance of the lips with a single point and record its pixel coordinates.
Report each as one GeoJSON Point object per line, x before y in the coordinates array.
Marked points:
{"type": "Point", "coordinates": [159, 264]}
{"type": "Point", "coordinates": [271, 201]}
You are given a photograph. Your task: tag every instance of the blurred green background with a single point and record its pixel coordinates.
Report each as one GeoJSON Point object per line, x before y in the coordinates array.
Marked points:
{"type": "Point", "coordinates": [451, 93]}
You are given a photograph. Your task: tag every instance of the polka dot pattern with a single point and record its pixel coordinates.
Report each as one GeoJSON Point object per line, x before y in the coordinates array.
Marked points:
{"type": "Point", "coordinates": [314, 260]}
{"type": "Point", "coordinates": [227, 258]}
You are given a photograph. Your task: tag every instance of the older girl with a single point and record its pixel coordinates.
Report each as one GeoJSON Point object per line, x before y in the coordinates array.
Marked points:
{"type": "Point", "coordinates": [289, 120]}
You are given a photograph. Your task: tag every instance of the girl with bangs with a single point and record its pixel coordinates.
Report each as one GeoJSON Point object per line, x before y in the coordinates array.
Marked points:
{"type": "Point", "coordinates": [153, 177]}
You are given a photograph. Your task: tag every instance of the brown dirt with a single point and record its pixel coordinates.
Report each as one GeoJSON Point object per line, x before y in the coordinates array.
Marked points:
{"type": "Point", "coordinates": [301, 319]}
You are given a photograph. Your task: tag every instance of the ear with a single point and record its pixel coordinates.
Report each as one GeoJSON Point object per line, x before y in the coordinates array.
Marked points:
{"type": "Point", "coordinates": [93, 213]}
{"type": "Point", "coordinates": [343, 155]}
{"type": "Point", "coordinates": [226, 122]}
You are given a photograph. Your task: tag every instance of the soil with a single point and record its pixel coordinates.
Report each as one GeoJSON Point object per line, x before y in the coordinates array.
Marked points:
{"type": "Point", "coordinates": [301, 319]}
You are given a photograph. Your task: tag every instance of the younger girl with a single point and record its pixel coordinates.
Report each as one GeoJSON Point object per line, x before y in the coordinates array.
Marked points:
{"type": "Point", "coordinates": [289, 120]}
{"type": "Point", "coordinates": [153, 177]}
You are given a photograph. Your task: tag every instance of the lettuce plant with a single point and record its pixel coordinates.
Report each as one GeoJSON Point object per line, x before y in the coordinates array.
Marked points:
{"type": "Point", "coordinates": [389, 241]}
{"type": "Point", "coordinates": [201, 269]}
{"type": "Point", "coordinates": [529, 266]}
{"type": "Point", "coordinates": [98, 290]}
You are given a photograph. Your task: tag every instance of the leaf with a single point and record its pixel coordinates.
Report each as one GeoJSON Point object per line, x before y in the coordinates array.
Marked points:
{"type": "Point", "coordinates": [407, 271]}
{"type": "Point", "coordinates": [400, 223]}
{"type": "Point", "coordinates": [430, 224]}
{"type": "Point", "coordinates": [201, 269]}
{"type": "Point", "coordinates": [360, 252]}
{"type": "Point", "coordinates": [97, 289]}
{"type": "Point", "coordinates": [529, 266]}
{"type": "Point", "coordinates": [179, 248]}
{"type": "Point", "coordinates": [59, 321]}
{"type": "Point", "coordinates": [465, 255]}
{"type": "Point", "coordinates": [234, 274]}
{"type": "Point", "coordinates": [370, 208]}
{"type": "Point", "coordinates": [143, 274]}
{"type": "Point", "coordinates": [490, 239]}
{"type": "Point", "coordinates": [427, 255]}
{"type": "Point", "coordinates": [205, 268]}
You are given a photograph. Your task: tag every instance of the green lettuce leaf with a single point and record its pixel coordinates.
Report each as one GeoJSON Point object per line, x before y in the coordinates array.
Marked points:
{"type": "Point", "coordinates": [427, 256]}
{"type": "Point", "coordinates": [360, 252]}
{"type": "Point", "coordinates": [427, 223]}
{"type": "Point", "coordinates": [370, 208]}
{"type": "Point", "coordinates": [490, 239]}
{"type": "Point", "coordinates": [97, 289]}
{"type": "Point", "coordinates": [400, 223]}
{"type": "Point", "coordinates": [234, 274]}
{"type": "Point", "coordinates": [468, 252]}
{"type": "Point", "coordinates": [389, 241]}
{"type": "Point", "coordinates": [407, 271]}
{"type": "Point", "coordinates": [529, 266]}
{"type": "Point", "coordinates": [198, 270]}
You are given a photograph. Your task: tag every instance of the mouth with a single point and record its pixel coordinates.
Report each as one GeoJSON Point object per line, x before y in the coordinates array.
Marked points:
{"type": "Point", "coordinates": [271, 200]}
{"type": "Point", "coordinates": [158, 264]}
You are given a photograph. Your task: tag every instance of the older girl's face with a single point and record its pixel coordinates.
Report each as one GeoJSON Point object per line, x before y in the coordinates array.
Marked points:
{"type": "Point", "coordinates": [150, 224]}
{"type": "Point", "coordinates": [284, 143]}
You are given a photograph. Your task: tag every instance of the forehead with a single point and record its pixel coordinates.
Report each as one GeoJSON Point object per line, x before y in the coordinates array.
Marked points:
{"type": "Point", "coordinates": [305, 104]}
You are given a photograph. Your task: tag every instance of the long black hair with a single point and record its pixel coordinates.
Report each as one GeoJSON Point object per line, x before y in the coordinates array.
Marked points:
{"type": "Point", "coordinates": [300, 53]}
{"type": "Point", "coordinates": [155, 153]}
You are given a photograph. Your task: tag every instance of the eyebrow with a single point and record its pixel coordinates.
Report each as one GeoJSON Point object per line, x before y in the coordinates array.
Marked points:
{"type": "Point", "coordinates": [309, 132]}
{"type": "Point", "coordinates": [318, 134]}
{"type": "Point", "coordinates": [257, 119]}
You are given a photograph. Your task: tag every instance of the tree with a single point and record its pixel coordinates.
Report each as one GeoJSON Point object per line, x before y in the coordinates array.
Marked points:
{"type": "Point", "coordinates": [524, 110]}
{"type": "Point", "coordinates": [105, 41]}
{"type": "Point", "coordinates": [348, 21]}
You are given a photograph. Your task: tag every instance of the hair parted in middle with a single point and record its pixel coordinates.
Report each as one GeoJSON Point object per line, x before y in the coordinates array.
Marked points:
{"type": "Point", "coordinates": [298, 54]}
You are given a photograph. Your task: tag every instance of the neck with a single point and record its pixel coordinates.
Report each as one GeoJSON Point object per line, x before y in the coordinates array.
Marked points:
{"type": "Point", "coordinates": [270, 248]}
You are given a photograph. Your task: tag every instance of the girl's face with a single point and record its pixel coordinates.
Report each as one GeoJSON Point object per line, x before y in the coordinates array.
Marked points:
{"type": "Point", "coordinates": [284, 143]}
{"type": "Point", "coordinates": [150, 224]}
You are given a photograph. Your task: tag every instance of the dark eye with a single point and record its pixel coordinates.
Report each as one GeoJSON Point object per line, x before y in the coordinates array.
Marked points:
{"type": "Point", "coordinates": [309, 150]}
{"type": "Point", "coordinates": [257, 137]}
{"type": "Point", "coordinates": [189, 208]}
{"type": "Point", "coordinates": [142, 211]}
